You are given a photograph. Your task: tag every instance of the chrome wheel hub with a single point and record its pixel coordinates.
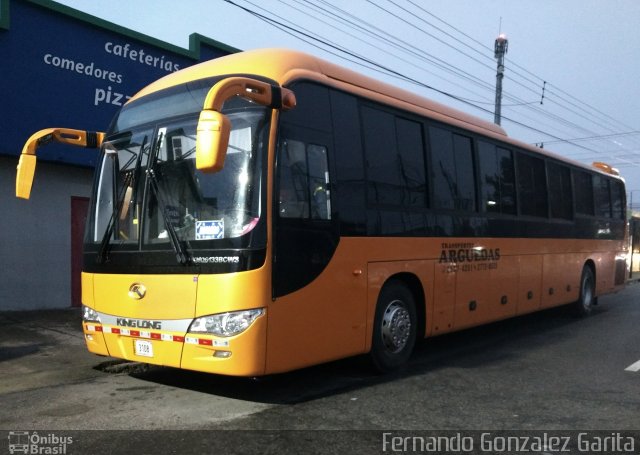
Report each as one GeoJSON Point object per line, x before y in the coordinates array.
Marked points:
{"type": "Point", "coordinates": [396, 326]}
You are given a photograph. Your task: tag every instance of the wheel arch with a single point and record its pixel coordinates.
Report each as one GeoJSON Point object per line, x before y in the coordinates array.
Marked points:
{"type": "Point", "coordinates": [592, 265]}
{"type": "Point", "coordinates": [587, 297]}
{"type": "Point", "coordinates": [413, 283]}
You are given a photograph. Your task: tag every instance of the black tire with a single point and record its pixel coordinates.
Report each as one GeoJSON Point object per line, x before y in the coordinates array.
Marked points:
{"type": "Point", "coordinates": [587, 300]}
{"type": "Point", "coordinates": [394, 327]}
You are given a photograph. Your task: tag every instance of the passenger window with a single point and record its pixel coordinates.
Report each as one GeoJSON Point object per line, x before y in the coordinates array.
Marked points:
{"type": "Point", "coordinates": [452, 169]}
{"type": "Point", "coordinates": [617, 199]}
{"type": "Point", "coordinates": [394, 153]}
{"type": "Point", "coordinates": [583, 190]}
{"type": "Point", "coordinates": [411, 162]}
{"type": "Point", "coordinates": [319, 182]}
{"type": "Point", "coordinates": [561, 200]}
{"type": "Point", "coordinates": [497, 179]}
{"type": "Point", "coordinates": [602, 196]}
{"type": "Point", "coordinates": [384, 179]}
{"type": "Point", "coordinates": [304, 181]}
{"type": "Point", "coordinates": [466, 181]}
{"type": "Point", "coordinates": [532, 186]}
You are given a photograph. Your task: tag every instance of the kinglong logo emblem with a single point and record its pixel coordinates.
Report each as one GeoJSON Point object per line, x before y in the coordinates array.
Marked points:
{"type": "Point", "coordinates": [139, 323]}
{"type": "Point", "coordinates": [137, 291]}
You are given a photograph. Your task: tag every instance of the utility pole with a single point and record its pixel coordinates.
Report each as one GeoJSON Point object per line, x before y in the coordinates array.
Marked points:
{"type": "Point", "coordinates": [500, 49]}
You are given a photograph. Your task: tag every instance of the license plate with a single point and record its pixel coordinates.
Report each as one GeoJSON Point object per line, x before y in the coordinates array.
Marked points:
{"type": "Point", "coordinates": [143, 348]}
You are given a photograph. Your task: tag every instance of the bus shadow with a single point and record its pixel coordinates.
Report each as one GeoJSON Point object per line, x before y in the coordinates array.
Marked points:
{"type": "Point", "coordinates": [472, 348]}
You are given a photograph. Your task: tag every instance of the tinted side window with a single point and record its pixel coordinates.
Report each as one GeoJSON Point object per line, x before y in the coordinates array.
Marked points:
{"type": "Point", "coordinates": [319, 192]}
{"type": "Point", "coordinates": [452, 170]}
{"type": "Point", "coordinates": [394, 156]}
{"type": "Point", "coordinates": [466, 181]}
{"type": "Point", "coordinates": [293, 201]}
{"type": "Point", "coordinates": [532, 187]}
{"type": "Point", "coordinates": [617, 199]}
{"type": "Point", "coordinates": [561, 200]}
{"type": "Point", "coordinates": [583, 190]}
{"type": "Point", "coordinates": [312, 107]}
{"type": "Point", "coordinates": [443, 169]}
{"type": "Point", "coordinates": [304, 181]}
{"type": "Point", "coordinates": [305, 232]}
{"type": "Point", "coordinates": [411, 161]}
{"type": "Point", "coordinates": [602, 196]}
{"type": "Point", "coordinates": [348, 156]}
{"type": "Point", "coordinates": [381, 157]}
{"type": "Point", "coordinates": [496, 179]}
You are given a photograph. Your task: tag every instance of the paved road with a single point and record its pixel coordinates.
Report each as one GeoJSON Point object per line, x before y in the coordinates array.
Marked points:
{"type": "Point", "coordinates": [546, 371]}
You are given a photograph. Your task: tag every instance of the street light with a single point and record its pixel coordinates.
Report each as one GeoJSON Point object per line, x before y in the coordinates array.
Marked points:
{"type": "Point", "coordinates": [501, 46]}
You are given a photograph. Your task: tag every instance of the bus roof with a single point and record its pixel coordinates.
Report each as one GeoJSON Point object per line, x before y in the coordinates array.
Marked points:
{"type": "Point", "coordinates": [284, 66]}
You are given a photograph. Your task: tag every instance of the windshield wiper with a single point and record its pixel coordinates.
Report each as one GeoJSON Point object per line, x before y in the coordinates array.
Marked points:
{"type": "Point", "coordinates": [181, 254]}
{"type": "Point", "coordinates": [103, 251]}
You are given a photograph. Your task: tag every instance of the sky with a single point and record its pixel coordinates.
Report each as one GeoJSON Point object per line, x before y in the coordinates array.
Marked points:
{"type": "Point", "coordinates": [571, 70]}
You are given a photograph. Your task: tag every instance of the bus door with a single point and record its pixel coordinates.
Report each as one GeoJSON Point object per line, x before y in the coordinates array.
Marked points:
{"type": "Point", "coordinates": [313, 317]}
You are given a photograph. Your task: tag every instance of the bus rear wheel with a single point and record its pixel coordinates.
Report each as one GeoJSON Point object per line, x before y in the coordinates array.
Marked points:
{"type": "Point", "coordinates": [394, 327]}
{"type": "Point", "coordinates": [585, 303]}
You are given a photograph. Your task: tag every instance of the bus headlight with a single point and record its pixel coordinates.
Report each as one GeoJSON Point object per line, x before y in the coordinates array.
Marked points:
{"type": "Point", "coordinates": [90, 315]}
{"type": "Point", "coordinates": [226, 324]}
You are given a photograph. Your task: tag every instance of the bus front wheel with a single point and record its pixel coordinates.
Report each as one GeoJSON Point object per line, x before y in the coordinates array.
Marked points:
{"type": "Point", "coordinates": [394, 327]}
{"type": "Point", "coordinates": [585, 303]}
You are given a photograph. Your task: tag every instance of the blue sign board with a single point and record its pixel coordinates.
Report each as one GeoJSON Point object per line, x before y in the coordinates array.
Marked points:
{"type": "Point", "coordinates": [207, 230]}
{"type": "Point", "coordinates": [64, 68]}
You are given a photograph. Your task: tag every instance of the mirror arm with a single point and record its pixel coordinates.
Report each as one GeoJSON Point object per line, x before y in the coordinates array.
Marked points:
{"type": "Point", "coordinates": [257, 91]}
{"type": "Point", "coordinates": [27, 163]}
{"type": "Point", "coordinates": [79, 138]}
{"type": "Point", "coordinates": [213, 130]}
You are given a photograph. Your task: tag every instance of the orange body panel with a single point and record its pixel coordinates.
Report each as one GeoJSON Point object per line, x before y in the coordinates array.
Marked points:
{"type": "Point", "coordinates": [162, 317]}
{"type": "Point", "coordinates": [530, 283]}
{"type": "Point", "coordinates": [165, 299]}
{"type": "Point", "coordinates": [325, 320]}
{"type": "Point", "coordinates": [333, 316]}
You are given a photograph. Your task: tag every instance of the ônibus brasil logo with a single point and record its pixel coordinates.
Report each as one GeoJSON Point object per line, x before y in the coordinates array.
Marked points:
{"type": "Point", "coordinates": [30, 442]}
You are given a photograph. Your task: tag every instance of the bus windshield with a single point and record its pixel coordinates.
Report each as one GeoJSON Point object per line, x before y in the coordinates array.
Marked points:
{"type": "Point", "coordinates": [148, 193]}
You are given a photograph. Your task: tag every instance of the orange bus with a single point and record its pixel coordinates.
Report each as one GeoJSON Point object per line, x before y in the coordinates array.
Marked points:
{"type": "Point", "coordinates": [269, 210]}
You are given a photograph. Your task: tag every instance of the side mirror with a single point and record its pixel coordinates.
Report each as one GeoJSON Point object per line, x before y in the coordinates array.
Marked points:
{"type": "Point", "coordinates": [24, 178]}
{"type": "Point", "coordinates": [214, 128]}
{"type": "Point", "coordinates": [27, 163]}
{"type": "Point", "coordinates": [212, 140]}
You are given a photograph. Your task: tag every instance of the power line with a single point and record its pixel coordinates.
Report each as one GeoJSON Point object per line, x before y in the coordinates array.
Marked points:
{"type": "Point", "coordinates": [520, 102]}
{"type": "Point", "coordinates": [406, 47]}
{"type": "Point", "coordinates": [456, 70]}
{"type": "Point", "coordinates": [402, 46]}
{"type": "Point", "coordinates": [430, 24]}
{"type": "Point", "coordinates": [598, 115]}
{"type": "Point", "coordinates": [309, 37]}
{"type": "Point", "coordinates": [378, 67]}
{"type": "Point", "coordinates": [603, 136]}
